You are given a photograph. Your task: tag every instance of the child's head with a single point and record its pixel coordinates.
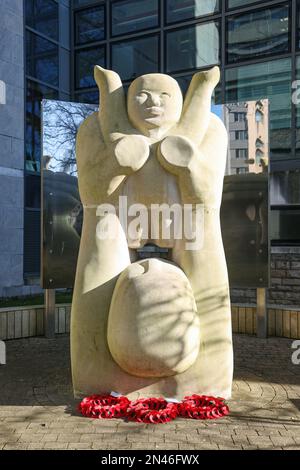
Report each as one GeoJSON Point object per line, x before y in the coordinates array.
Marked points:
{"type": "Point", "coordinates": [154, 100]}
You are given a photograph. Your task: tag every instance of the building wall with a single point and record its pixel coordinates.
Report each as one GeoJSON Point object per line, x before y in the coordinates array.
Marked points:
{"type": "Point", "coordinates": [284, 280]}
{"type": "Point", "coordinates": [11, 146]}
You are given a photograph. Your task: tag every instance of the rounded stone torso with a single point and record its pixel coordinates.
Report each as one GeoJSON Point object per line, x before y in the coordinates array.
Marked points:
{"type": "Point", "coordinates": [153, 326]}
{"type": "Point", "coordinates": [152, 184]}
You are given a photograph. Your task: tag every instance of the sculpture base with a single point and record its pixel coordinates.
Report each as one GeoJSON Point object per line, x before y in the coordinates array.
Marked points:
{"type": "Point", "coordinates": [95, 371]}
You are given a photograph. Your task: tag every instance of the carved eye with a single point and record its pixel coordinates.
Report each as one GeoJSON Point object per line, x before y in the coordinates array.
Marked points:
{"type": "Point", "coordinates": [142, 94]}
{"type": "Point", "coordinates": [164, 94]}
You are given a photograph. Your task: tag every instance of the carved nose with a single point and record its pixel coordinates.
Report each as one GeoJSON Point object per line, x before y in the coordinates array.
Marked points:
{"type": "Point", "coordinates": [155, 100]}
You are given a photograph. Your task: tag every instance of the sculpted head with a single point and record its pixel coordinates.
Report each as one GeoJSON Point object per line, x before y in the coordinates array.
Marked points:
{"type": "Point", "coordinates": [154, 101]}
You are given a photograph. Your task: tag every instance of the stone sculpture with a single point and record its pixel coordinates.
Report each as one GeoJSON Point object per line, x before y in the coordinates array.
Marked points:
{"type": "Point", "coordinates": [152, 326]}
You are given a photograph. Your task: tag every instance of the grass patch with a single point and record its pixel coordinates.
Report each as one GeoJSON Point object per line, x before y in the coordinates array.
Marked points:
{"type": "Point", "coordinates": [61, 298]}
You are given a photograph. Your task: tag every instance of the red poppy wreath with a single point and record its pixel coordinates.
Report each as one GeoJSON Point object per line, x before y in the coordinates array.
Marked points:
{"type": "Point", "coordinates": [202, 407]}
{"type": "Point", "coordinates": [152, 410]}
{"type": "Point", "coordinates": [104, 406]}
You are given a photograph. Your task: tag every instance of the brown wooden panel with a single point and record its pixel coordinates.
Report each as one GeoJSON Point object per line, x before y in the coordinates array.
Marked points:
{"type": "Point", "coordinates": [68, 318]}
{"type": "Point", "coordinates": [10, 325]}
{"type": "Point", "coordinates": [3, 325]}
{"type": "Point", "coordinates": [278, 323]}
{"type": "Point", "coordinates": [18, 324]}
{"type": "Point", "coordinates": [61, 320]}
{"type": "Point", "coordinates": [32, 322]}
{"type": "Point", "coordinates": [286, 321]}
{"type": "Point", "coordinates": [294, 325]}
{"type": "Point", "coordinates": [271, 322]}
{"type": "Point", "coordinates": [249, 321]}
{"type": "Point", "coordinates": [25, 323]}
{"type": "Point", "coordinates": [235, 319]}
{"type": "Point", "coordinates": [254, 320]}
{"type": "Point", "coordinates": [242, 320]}
{"type": "Point", "coordinates": [40, 321]}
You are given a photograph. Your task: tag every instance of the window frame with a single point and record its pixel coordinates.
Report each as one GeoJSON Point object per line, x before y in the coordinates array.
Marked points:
{"type": "Point", "coordinates": [262, 57]}
{"type": "Point", "coordinates": [192, 18]}
{"type": "Point", "coordinates": [192, 69]}
{"type": "Point", "coordinates": [137, 31]}
{"type": "Point", "coordinates": [35, 35]}
{"type": "Point", "coordinates": [137, 38]}
{"type": "Point", "coordinates": [77, 86]}
{"type": "Point", "coordinates": [82, 10]}
{"type": "Point", "coordinates": [247, 6]}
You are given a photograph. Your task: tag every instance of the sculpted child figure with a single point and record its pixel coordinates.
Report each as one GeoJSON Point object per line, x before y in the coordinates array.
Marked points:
{"type": "Point", "coordinates": [151, 327]}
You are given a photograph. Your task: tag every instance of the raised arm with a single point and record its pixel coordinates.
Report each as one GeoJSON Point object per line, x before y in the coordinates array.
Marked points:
{"type": "Point", "coordinates": [130, 149]}
{"type": "Point", "coordinates": [195, 115]}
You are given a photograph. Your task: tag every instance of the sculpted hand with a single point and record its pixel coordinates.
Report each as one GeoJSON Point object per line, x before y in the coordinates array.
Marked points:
{"type": "Point", "coordinates": [126, 144]}
{"type": "Point", "coordinates": [131, 152]}
{"type": "Point", "coordinates": [180, 149]}
{"type": "Point", "coordinates": [177, 154]}
{"type": "Point", "coordinates": [196, 149]}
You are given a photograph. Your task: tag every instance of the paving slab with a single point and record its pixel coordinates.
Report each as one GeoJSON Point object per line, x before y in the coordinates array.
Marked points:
{"type": "Point", "coordinates": [37, 409]}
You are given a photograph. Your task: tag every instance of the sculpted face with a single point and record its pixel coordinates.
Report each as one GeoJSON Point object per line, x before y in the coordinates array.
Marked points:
{"type": "Point", "coordinates": [154, 101]}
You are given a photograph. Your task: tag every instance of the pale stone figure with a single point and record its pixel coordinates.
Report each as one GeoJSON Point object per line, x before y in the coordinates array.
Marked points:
{"type": "Point", "coordinates": [151, 327]}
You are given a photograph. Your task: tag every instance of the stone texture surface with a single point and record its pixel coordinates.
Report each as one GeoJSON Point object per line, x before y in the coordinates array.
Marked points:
{"type": "Point", "coordinates": [11, 145]}
{"type": "Point", "coordinates": [284, 282]}
{"type": "Point", "coordinates": [155, 150]}
{"type": "Point", "coordinates": [37, 410]}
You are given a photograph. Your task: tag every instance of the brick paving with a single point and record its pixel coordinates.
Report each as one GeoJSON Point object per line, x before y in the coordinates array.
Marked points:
{"type": "Point", "coordinates": [37, 410]}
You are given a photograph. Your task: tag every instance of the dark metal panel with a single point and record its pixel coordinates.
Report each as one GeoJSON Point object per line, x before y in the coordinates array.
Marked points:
{"type": "Point", "coordinates": [285, 226]}
{"type": "Point", "coordinates": [32, 241]}
{"type": "Point", "coordinates": [285, 188]}
{"type": "Point", "coordinates": [244, 222]}
{"type": "Point", "coordinates": [62, 221]}
{"type": "Point", "coordinates": [61, 206]}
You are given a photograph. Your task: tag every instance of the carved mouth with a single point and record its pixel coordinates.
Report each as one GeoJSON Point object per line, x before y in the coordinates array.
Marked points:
{"type": "Point", "coordinates": [155, 111]}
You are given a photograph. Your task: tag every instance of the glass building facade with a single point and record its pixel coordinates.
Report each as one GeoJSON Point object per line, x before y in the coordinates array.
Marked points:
{"type": "Point", "coordinates": [255, 43]}
{"type": "Point", "coordinates": [47, 76]}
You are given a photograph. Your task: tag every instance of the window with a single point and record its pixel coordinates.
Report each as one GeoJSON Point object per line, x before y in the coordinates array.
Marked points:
{"type": "Point", "coordinates": [259, 143]}
{"type": "Point", "coordinates": [128, 16]}
{"type": "Point", "coordinates": [42, 15]}
{"type": "Point", "coordinates": [41, 59]}
{"type": "Point", "coordinates": [298, 25]}
{"type": "Point", "coordinates": [91, 97]}
{"type": "Point", "coordinates": [259, 116]}
{"type": "Point", "coordinates": [258, 156]}
{"type": "Point", "coordinates": [35, 94]}
{"type": "Point", "coordinates": [258, 33]}
{"type": "Point", "coordinates": [81, 3]}
{"type": "Point", "coordinates": [89, 25]}
{"type": "Point", "coordinates": [185, 81]}
{"type": "Point", "coordinates": [270, 80]}
{"type": "Point", "coordinates": [135, 57]}
{"type": "Point", "coordinates": [33, 191]}
{"type": "Point", "coordinates": [285, 187]}
{"type": "Point", "coordinates": [86, 59]}
{"type": "Point", "coordinates": [242, 171]}
{"type": "Point", "coordinates": [180, 10]}
{"type": "Point", "coordinates": [239, 117]}
{"type": "Point", "coordinates": [240, 3]}
{"type": "Point", "coordinates": [296, 99]}
{"type": "Point", "coordinates": [241, 153]}
{"type": "Point", "coordinates": [192, 47]}
{"type": "Point", "coordinates": [241, 135]}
